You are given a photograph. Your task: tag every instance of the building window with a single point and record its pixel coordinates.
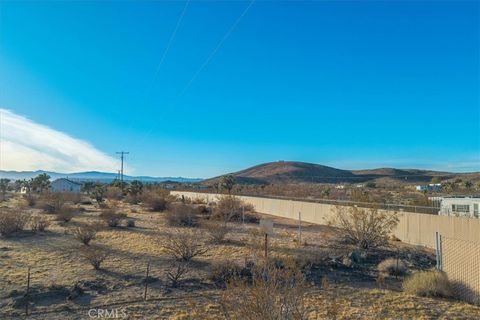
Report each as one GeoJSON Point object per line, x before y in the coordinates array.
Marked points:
{"type": "Point", "coordinates": [475, 210]}
{"type": "Point", "coordinates": [461, 208]}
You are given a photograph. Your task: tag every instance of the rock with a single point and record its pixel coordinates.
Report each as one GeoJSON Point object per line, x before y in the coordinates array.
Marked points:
{"type": "Point", "coordinates": [347, 262]}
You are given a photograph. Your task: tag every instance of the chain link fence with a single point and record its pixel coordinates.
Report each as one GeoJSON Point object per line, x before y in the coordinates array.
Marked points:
{"type": "Point", "coordinates": [460, 260]}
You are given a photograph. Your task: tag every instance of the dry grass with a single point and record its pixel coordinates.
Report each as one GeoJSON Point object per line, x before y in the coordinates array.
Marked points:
{"type": "Point", "coordinates": [55, 259]}
{"type": "Point", "coordinates": [393, 267]}
{"type": "Point", "coordinates": [431, 283]}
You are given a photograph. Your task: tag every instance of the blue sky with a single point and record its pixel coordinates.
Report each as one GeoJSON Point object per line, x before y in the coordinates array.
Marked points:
{"type": "Point", "coordinates": [346, 84]}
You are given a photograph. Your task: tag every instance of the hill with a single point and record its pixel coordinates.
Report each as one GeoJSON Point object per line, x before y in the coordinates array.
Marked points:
{"type": "Point", "coordinates": [302, 172]}
{"type": "Point", "coordinates": [105, 177]}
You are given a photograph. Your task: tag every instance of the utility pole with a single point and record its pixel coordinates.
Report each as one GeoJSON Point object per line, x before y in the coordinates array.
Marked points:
{"type": "Point", "coordinates": [122, 155]}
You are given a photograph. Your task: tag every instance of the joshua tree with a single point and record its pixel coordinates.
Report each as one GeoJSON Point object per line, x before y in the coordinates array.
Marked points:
{"type": "Point", "coordinates": [135, 188]}
{"type": "Point", "coordinates": [227, 182]}
{"type": "Point", "coordinates": [99, 192]}
{"type": "Point", "coordinates": [3, 187]}
{"type": "Point", "coordinates": [40, 183]}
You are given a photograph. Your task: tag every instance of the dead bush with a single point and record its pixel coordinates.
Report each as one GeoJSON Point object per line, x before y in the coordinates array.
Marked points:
{"type": "Point", "coordinates": [176, 271]}
{"type": "Point", "coordinates": [272, 293]}
{"type": "Point", "coordinates": [392, 267]}
{"type": "Point", "coordinates": [66, 213]}
{"type": "Point", "coordinates": [365, 227]}
{"type": "Point", "coordinates": [94, 255]}
{"type": "Point", "coordinates": [181, 215]}
{"type": "Point", "coordinates": [31, 199]}
{"type": "Point", "coordinates": [221, 273]}
{"type": "Point", "coordinates": [12, 221]}
{"type": "Point", "coordinates": [217, 230]}
{"type": "Point", "coordinates": [53, 202]}
{"type": "Point", "coordinates": [111, 217]}
{"type": "Point", "coordinates": [432, 283]}
{"type": "Point", "coordinates": [113, 193]}
{"type": "Point", "coordinates": [39, 224]}
{"type": "Point", "coordinates": [231, 208]}
{"type": "Point", "coordinates": [184, 245]}
{"type": "Point", "coordinates": [85, 233]}
{"type": "Point", "coordinates": [154, 202]}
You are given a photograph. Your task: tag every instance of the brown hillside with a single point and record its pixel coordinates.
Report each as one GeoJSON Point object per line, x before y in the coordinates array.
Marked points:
{"type": "Point", "coordinates": [302, 172]}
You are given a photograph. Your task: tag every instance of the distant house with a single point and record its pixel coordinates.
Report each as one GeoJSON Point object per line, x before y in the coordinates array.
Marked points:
{"type": "Point", "coordinates": [65, 185]}
{"type": "Point", "coordinates": [460, 206]}
{"type": "Point", "coordinates": [433, 187]}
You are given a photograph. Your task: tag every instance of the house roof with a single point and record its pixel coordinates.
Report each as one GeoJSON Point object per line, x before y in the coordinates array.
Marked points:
{"type": "Point", "coordinates": [73, 182]}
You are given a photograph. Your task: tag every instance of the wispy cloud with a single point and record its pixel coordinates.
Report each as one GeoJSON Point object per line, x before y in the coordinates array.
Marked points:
{"type": "Point", "coordinates": [26, 145]}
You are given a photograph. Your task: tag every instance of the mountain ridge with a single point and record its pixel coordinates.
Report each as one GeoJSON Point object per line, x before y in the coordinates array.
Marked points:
{"type": "Point", "coordinates": [90, 176]}
{"type": "Point", "coordinates": [304, 172]}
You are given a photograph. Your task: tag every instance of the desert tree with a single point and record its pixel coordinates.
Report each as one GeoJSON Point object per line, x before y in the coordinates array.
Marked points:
{"type": "Point", "coordinates": [365, 227]}
{"type": "Point", "coordinates": [135, 188]}
{"type": "Point", "coordinates": [40, 183]}
{"type": "Point", "coordinates": [228, 182]}
{"type": "Point", "coordinates": [99, 192]}
{"type": "Point", "coordinates": [4, 187]}
{"type": "Point", "coordinates": [88, 187]}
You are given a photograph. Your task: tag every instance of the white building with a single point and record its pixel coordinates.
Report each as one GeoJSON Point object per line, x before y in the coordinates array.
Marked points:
{"type": "Point", "coordinates": [460, 206]}
{"type": "Point", "coordinates": [65, 185]}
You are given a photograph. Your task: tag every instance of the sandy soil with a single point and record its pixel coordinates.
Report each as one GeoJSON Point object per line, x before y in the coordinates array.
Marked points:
{"type": "Point", "coordinates": [56, 267]}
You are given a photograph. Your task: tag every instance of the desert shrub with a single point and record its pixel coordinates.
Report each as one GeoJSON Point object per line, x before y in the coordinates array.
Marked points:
{"type": "Point", "coordinates": [113, 193]}
{"type": "Point", "coordinates": [231, 208]}
{"type": "Point", "coordinates": [132, 199]}
{"type": "Point", "coordinates": [184, 245]}
{"type": "Point", "coordinates": [198, 201]}
{"type": "Point", "coordinates": [52, 202]}
{"type": "Point", "coordinates": [365, 227]}
{"type": "Point", "coordinates": [130, 223]}
{"type": "Point", "coordinates": [39, 224]}
{"type": "Point", "coordinates": [66, 213]}
{"type": "Point", "coordinates": [273, 293]}
{"type": "Point", "coordinates": [221, 273]}
{"type": "Point", "coordinates": [176, 271]}
{"type": "Point", "coordinates": [85, 233]}
{"type": "Point", "coordinates": [432, 283]}
{"type": "Point", "coordinates": [11, 221]}
{"type": "Point", "coordinates": [94, 255]}
{"type": "Point", "coordinates": [181, 215]}
{"type": "Point", "coordinates": [216, 230]}
{"type": "Point", "coordinates": [111, 217]}
{"type": "Point", "coordinates": [72, 197]}
{"type": "Point", "coordinates": [31, 199]}
{"type": "Point", "coordinates": [393, 267]}
{"type": "Point", "coordinates": [154, 202]}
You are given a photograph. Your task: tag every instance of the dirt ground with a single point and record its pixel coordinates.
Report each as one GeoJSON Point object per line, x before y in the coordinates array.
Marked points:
{"type": "Point", "coordinates": [57, 267]}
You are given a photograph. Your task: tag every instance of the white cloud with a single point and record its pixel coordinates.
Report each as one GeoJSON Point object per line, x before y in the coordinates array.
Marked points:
{"type": "Point", "coordinates": [26, 145]}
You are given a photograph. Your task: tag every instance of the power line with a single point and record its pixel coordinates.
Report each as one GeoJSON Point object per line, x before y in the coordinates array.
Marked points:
{"type": "Point", "coordinates": [212, 54]}
{"type": "Point", "coordinates": [205, 63]}
{"type": "Point", "coordinates": [169, 44]}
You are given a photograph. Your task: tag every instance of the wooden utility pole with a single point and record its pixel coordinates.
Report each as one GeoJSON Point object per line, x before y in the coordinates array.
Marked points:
{"type": "Point", "coordinates": [122, 155]}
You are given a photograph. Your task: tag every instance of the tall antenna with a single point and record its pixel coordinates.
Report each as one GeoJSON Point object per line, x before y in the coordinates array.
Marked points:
{"type": "Point", "coordinates": [122, 155]}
